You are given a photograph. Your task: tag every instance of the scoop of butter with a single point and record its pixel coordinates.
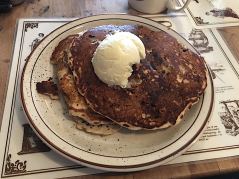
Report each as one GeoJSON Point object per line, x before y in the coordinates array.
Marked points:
{"type": "Point", "coordinates": [114, 57]}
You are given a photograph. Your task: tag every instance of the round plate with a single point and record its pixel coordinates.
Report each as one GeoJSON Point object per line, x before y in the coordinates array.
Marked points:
{"type": "Point", "coordinates": [125, 150]}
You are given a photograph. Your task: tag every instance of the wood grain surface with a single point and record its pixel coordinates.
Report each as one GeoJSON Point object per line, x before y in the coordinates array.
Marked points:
{"type": "Point", "coordinates": [80, 8]}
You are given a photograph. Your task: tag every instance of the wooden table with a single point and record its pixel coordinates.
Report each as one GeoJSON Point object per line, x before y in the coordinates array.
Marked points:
{"type": "Point", "coordinates": [79, 8]}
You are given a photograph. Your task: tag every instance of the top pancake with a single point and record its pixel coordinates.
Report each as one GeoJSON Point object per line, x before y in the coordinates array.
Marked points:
{"type": "Point", "coordinates": [168, 81]}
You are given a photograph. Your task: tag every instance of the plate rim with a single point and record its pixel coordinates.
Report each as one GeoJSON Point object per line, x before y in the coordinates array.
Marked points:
{"type": "Point", "coordinates": [104, 166]}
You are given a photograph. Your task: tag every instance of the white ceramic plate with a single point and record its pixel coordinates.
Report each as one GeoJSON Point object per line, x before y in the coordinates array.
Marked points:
{"type": "Point", "coordinates": [122, 151]}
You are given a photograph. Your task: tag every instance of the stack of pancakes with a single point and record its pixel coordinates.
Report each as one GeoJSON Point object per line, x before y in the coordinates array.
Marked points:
{"type": "Point", "coordinates": [163, 86]}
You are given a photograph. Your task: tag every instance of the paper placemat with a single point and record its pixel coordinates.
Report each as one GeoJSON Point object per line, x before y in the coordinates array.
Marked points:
{"type": "Point", "coordinates": [213, 13]}
{"type": "Point", "coordinates": [23, 155]}
{"type": "Point", "coordinates": [220, 139]}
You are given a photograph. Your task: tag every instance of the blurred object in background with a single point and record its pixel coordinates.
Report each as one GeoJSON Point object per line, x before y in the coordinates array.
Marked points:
{"type": "Point", "coordinates": [16, 2]}
{"type": "Point", "coordinates": [6, 5]}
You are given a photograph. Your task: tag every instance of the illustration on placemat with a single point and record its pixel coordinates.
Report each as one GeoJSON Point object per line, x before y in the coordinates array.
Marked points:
{"type": "Point", "coordinates": [217, 70]}
{"type": "Point", "coordinates": [36, 41]}
{"type": "Point", "coordinates": [31, 25]}
{"type": "Point", "coordinates": [200, 20]}
{"type": "Point", "coordinates": [200, 41]}
{"type": "Point", "coordinates": [222, 13]}
{"type": "Point", "coordinates": [31, 143]}
{"type": "Point", "coordinates": [213, 13]}
{"type": "Point", "coordinates": [230, 116]}
{"type": "Point", "coordinates": [14, 167]}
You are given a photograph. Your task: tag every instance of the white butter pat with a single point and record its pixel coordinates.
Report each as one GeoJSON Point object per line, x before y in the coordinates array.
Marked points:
{"type": "Point", "coordinates": [114, 57]}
